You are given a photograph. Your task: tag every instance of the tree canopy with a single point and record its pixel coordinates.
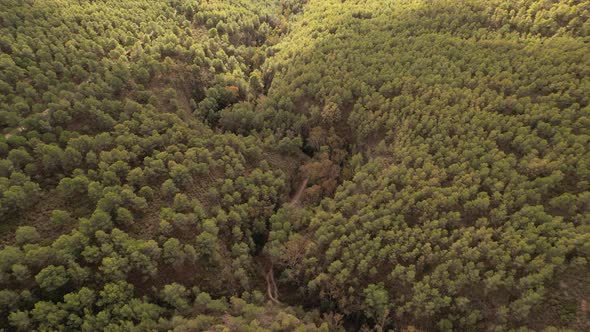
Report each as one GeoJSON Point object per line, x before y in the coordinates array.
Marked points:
{"type": "Point", "coordinates": [301, 165]}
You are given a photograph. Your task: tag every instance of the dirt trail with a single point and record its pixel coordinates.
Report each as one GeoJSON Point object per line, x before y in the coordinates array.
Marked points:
{"type": "Point", "coordinates": [271, 286]}
{"type": "Point", "coordinates": [14, 132]}
{"type": "Point", "coordinates": [295, 200]}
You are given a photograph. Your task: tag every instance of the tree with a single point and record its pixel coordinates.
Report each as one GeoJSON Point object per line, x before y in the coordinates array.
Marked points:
{"type": "Point", "coordinates": [168, 188]}
{"type": "Point", "coordinates": [182, 203]}
{"type": "Point", "coordinates": [206, 245]}
{"type": "Point", "coordinates": [173, 253]}
{"type": "Point", "coordinates": [51, 278]}
{"type": "Point", "coordinates": [290, 145]}
{"type": "Point", "coordinates": [80, 300]}
{"type": "Point", "coordinates": [61, 217]}
{"type": "Point", "coordinates": [48, 316]}
{"type": "Point", "coordinates": [115, 268]}
{"type": "Point", "coordinates": [100, 220]}
{"type": "Point", "coordinates": [136, 177]}
{"type": "Point", "coordinates": [51, 157]}
{"type": "Point", "coordinates": [6, 168]}
{"type": "Point", "coordinates": [71, 159]}
{"type": "Point", "coordinates": [26, 234]}
{"type": "Point", "coordinates": [73, 189]}
{"type": "Point", "coordinates": [331, 113]}
{"type": "Point", "coordinates": [181, 175]}
{"type": "Point", "coordinates": [20, 272]}
{"type": "Point", "coordinates": [376, 302]}
{"type": "Point", "coordinates": [176, 296]}
{"type": "Point", "coordinates": [146, 192]}
{"type": "Point", "coordinates": [124, 217]}
{"type": "Point", "coordinates": [20, 320]}
{"type": "Point", "coordinates": [19, 157]}
{"type": "Point", "coordinates": [256, 83]}
{"type": "Point", "coordinates": [317, 137]}
{"type": "Point", "coordinates": [240, 119]}
{"type": "Point", "coordinates": [114, 293]}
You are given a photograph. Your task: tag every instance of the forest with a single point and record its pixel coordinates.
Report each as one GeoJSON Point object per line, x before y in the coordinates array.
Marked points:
{"type": "Point", "coordinates": [295, 165]}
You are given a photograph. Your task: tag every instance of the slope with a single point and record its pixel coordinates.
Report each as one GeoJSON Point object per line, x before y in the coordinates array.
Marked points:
{"type": "Point", "coordinates": [465, 202]}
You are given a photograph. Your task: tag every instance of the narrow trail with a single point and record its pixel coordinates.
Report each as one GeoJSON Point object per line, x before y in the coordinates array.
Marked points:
{"type": "Point", "coordinates": [14, 132]}
{"type": "Point", "coordinates": [295, 200]}
{"type": "Point", "coordinates": [271, 286]}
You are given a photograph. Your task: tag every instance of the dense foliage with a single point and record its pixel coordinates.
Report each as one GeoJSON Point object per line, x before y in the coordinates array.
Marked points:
{"type": "Point", "coordinates": [152, 153]}
{"type": "Point", "coordinates": [474, 194]}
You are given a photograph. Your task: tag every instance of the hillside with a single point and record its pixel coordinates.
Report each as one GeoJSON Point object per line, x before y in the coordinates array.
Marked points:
{"type": "Point", "coordinates": [249, 165]}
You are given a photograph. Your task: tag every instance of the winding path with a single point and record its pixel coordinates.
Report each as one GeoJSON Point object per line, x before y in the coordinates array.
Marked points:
{"type": "Point", "coordinates": [271, 286]}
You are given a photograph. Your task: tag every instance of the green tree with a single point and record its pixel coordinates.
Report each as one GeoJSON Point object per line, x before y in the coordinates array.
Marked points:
{"type": "Point", "coordinates": [176, 296]}
{"type": "Point", "coordinates": [168, 188]}
{"type": "Point", "coordinates": [26, 234]}
{"type": "Point", "coordinates": [60, 217]}
{"type": "Point", "coordinates": [20, 320]}
{"type": "Point", "coordinates": [51, 278]}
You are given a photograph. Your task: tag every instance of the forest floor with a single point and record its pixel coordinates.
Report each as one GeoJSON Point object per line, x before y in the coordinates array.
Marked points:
{"type": "Point", "coordinates": [566, 302]}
